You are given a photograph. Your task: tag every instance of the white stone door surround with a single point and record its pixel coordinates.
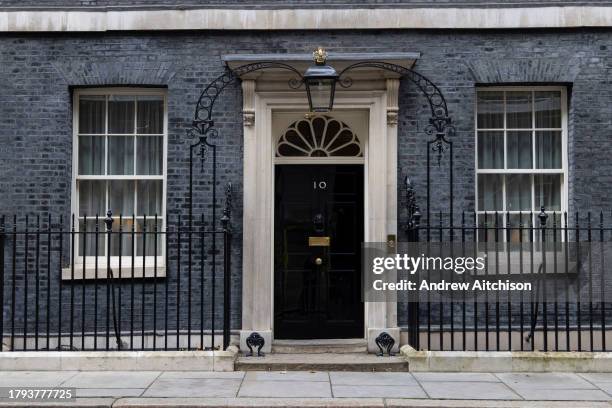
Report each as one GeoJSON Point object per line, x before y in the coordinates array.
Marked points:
{"type": "Point", "coordinates": [377, 97]}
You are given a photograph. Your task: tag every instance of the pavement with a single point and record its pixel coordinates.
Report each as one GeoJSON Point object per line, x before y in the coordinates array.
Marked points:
{"type": "Point", "coordinates": [319, 389]}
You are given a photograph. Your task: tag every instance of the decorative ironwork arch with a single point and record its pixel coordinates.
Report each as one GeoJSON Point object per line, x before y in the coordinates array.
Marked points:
{"type": "Point", "coordinates": [440, 124]}
{"type": "Point", "coordinates": [203, 124]}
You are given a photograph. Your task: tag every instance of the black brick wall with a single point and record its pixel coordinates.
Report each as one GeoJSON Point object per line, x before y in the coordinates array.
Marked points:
{"type": "Point", "coordinates": [37, 73]}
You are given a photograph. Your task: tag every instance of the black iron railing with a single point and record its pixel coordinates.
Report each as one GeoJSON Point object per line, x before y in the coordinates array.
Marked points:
{"type": "Point", "coordinates": [115, 282]}
{"type": "Point", "coordinates": [565, 256]}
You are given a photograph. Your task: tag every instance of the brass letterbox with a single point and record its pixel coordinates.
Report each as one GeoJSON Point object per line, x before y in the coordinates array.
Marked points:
{"type": "Point", "coordinates": [318, 241]}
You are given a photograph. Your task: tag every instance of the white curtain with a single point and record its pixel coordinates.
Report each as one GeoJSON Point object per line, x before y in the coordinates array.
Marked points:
{"type": "Point", "coordinates": [121, 114]}
{"type": "Point", "coordinates": [149, 155]}
{"type": "Point", "coordinates": [519, 150]}
{"type": "Point", "coordinates": [518, 192]}
{"type": "Point", "coordinates": [490, 192]}
{"type": "Point", "coordinates": [548, 109]}
{"type": "Point", "coordinates": [518, 110]}
{"type": "Point", "coordinates": [548, 149]}
{"type": "Point", "coordinates": [150, 115]}
{"type": "Point", "coordinates": [548, 191]}
{"type": "Point", "coordinates": [120, 155]}
{"type": "Point", "coordinates": [92, 114]}
{"type": "Point", "coordinates": [491, 150]}
{"type": "Point", "coordinates": [490, 108]}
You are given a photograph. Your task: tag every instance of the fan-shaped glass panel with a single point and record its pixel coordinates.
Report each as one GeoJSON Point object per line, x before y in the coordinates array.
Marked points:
{"type": "Point", "coordinates": [319, 136]}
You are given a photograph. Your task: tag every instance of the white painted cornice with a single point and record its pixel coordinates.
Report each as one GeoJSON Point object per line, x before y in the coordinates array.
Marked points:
{"type": "Point", "coordinates": [303, 19]}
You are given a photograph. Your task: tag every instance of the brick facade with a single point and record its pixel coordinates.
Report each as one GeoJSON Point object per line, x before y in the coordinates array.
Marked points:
{"type": "Point", "coordinates": [39, 71]}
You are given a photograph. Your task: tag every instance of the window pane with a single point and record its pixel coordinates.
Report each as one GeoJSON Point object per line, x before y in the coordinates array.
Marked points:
{"type": "Point", "coordinates": [490, 109]}
{"type": "Point", "coordinates": [548, 191]}
{"type": "Point", "coordinates": [92, 198]}
{"type": "Point", "coordinates": [120, 114]}
{"type": "Point", "coordinates": [146, 238]}
{"type": "Point", "coordinates": [518, 192]}
{"type": "Point", "coordinates": [149, 197]}
{"type": "Point", "coordinates": [92, 114]}
{"type": "Point", "coordinates": [548, 109]}
{"type": "Point", "coordinates": [123, 241]}
{"type": "Point", "coordinates": [490, 192]}
{"type": "Point", "coordinates": [91, 155]}
{"type": "Point", "coordinates": [149, 155]}
{"type": "Point", "coordinates": [121, 197]}
{"type": "Point", "coordinates": [518, 230]}
{"type": "Point", "coordinates": [548, 149]}
{"type": "Point", "coordinates": [490, 150]}
{"type": "Point", "coordinates": [487, 231]}
{"type": "Point", "coordinates": [87, 237]}
{"type": "Point", "coordinates": [120, 155]}
{"type": "Point", "coordinates": [518, 110]}
{"type": "Point", "coordinates": [150, 115]}
{"type": "Point", "coordinates": [554, 231]}
{"type": "Point", "coordinates": [519, 150]}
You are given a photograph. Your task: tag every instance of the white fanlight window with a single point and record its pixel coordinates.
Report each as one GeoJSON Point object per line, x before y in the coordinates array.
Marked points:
{"type": "Point", "coordinates": [319, 136]}
{"type": "Point", "coordinates": [119, 164]}
{"type": "Point", "coordinates": [521, 155]}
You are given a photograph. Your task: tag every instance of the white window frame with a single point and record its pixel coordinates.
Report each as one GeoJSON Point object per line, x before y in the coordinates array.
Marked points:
{"type": "Point", "coordinates": [143, 266]}
{"type": "Point", "coordinates": [532, 171]}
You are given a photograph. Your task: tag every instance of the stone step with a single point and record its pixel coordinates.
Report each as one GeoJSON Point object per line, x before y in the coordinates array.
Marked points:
{"type": "Point", "coordinates": [319, 346]}
{"type": "Point", "coordinates": [321, 362]}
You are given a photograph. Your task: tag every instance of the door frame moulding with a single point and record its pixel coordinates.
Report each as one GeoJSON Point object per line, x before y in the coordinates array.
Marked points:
{"type": "Point", "coordinates": [380, 199]}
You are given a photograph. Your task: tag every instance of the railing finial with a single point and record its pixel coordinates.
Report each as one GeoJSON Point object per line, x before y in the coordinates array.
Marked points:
{"type": "Point", "coordinates": [543, 217]}
{"type": "Point", "coordinates": [108, 221]}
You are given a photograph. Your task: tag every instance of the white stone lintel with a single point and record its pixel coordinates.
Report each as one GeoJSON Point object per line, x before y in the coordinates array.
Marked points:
{"type": "Point", "coordinates": [126, 19]}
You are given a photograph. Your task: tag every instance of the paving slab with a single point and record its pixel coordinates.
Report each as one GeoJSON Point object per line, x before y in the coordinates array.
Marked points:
{"type": "Point", "coordinates": [604, 386]}
{"type": "Point", "coordinates": [34, 378]}
{"type": "Point", "coordinates": [287, 376]}
{"type": "Point", "coordinates": [112, 379]}
{"type": "Point", "coordinates": [550, 381]}
{"type": "Point", "coordinates": [77, 403]}
{"type": "Point", "coordinates": [236, 375]}
{"type": "Point", "coordinates": [471, 377]}
{"type": "Point", "coordinates": [250, 402]}
{"type": "Point", "coordinates": [429, 403]}
{"type": "Point", "coordinates": [376, 378]}
{"type": "Point", "coordinates": [109, 392]}
{"type": "Point", "coordinates": [193, 387]}
{"type": "Point", "coordinates": [469, 390]}
{"type": "Point", "coordinates": [285, 389]}
{"type": "Point", "coordinates": [597, 377]}
{"type": "Point", "coordinates": [378, 391]}
{"type": "Point", "coordinates": [539, 394]}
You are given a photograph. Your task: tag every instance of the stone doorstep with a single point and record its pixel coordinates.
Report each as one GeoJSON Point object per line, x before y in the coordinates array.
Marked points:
{"type": "Point", "coordinates": [342, 346]}
{"type": "Point", "coordinates": [506, 361]}
{"type": "Point", "coordinates": [362, 362]}
{"type": "Point", "coordinates": [119, 360]}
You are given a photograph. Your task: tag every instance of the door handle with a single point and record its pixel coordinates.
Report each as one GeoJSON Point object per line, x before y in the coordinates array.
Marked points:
{"type": "Point", "coordinates": [318, 261]}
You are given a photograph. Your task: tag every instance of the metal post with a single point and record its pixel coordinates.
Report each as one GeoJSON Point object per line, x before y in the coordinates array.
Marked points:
{"type": "Point", "coordinates": [227, 269]}
{"type": "Point", "coordinates": [108, 221]}
{"type": "Point", "coordinates": [2, 244]}
{"type": "Point", "coordinates": [412, 233]}
{"type": "Point", "coordinates": [543, 217]}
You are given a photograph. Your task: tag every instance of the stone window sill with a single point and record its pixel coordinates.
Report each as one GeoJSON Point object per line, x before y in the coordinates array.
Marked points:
{"type": "Point", "coordinates": [126, 272]}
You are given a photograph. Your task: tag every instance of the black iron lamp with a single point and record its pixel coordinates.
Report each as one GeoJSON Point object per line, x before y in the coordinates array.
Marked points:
{"type": "Point", "coordinates": [320, 81]}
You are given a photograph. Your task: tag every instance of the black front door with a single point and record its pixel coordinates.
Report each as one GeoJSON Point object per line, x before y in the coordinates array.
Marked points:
{"type": "Point", "coordinates": [318, 234]}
